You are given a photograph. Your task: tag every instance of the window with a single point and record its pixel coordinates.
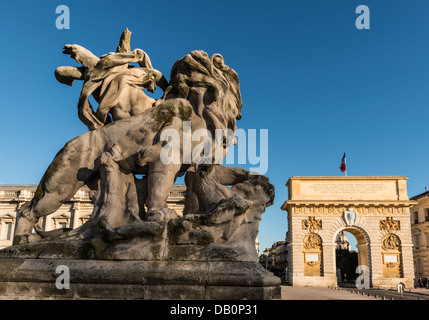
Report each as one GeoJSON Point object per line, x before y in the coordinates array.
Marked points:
{"type": "Point", "coordinates": [7, 231]}
{"type": "Point", "coordinates": [419, 265]}
{"type": "Point", "coordinates": [416, 217]}
{"type": "Point", "coordinates": [417, 238]}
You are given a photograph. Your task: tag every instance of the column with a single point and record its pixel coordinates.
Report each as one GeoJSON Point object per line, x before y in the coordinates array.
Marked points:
{"type": "Point", "coordinates": [296, 268]}
{"type": "Point", "coordinates": [408, 265]}
{"type": "Point", "coordinates": [376, 266]}
{"type": "Point", "coordinates": [75, 215]}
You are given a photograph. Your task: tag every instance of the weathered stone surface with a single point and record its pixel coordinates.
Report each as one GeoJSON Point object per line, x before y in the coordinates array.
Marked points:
{"type": "Point", "coordinates": [226, 233]}
{"type": "Point", "coordinates": [208, 255]}
{"type": "Point", "coordinates": [200, 91]}
{"type": "Point", "coordinates": [133, 245]}
{"type": "Point", "coordinates": [96, 279]}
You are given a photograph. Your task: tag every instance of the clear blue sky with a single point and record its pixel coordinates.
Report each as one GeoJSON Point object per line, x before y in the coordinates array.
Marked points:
{"type": "Point", "coordinates": [320, 86]}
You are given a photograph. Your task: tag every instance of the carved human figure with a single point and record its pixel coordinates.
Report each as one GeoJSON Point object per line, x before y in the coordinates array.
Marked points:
{"type": "Point", "coordinates": [312, 241]}
{"type": "Point", "coordinates": [390, 242]}
{"type": "Point", "coordinates": [115, 84]}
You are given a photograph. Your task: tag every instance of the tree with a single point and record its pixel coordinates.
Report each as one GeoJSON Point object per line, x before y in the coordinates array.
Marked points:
{"type": "Point", "coordinates": [347, 261]}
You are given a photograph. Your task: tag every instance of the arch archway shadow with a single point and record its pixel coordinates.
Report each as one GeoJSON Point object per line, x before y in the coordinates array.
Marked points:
{"type": "Point", "coordinates": [347, 260]}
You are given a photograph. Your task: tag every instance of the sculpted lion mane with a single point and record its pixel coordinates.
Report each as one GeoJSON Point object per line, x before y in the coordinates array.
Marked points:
{"type": "Point", "coordinates": [202, 90]}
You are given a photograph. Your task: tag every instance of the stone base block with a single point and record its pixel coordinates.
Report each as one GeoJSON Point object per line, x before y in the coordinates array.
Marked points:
{"type": "Point", "coordinates": [98, 279]}
{"type": "Point", "coordinates": [306, 281]}
{"type": "Point", "coordinates": [380, 282]}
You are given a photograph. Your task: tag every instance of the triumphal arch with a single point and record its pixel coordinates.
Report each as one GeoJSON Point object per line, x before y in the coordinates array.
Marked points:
{"type": "Point", "coordinates": [374, 209]}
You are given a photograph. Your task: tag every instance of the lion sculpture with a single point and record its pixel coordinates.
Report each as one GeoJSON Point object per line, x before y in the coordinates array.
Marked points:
{"type": "Point", "coordinates": [202, 90]}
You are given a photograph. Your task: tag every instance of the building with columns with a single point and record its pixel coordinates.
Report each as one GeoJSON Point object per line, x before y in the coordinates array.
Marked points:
{"type": "Point", "coordinates": [375, 210]}
{"type": "Point", "coordinates": [274, 258]}
{"type": "Point", "coordinates": [420, 234]}
{"type": "Point", "coordinates": [72, 214]}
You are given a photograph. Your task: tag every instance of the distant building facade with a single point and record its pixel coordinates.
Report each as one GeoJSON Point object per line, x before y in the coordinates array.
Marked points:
{"type": "Point", "coordinates": [420, 234]}
{"type": "Point", "coordinates": [274, 259]}
{"type": "Point", "coordinates": [343, 241]}
{"type": "Point", "coordinates": [71, 214]}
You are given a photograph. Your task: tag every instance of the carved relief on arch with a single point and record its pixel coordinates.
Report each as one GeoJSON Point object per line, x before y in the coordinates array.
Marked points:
{"type": "Point", "coordinates": [391, 242]}
{"type": "Point", "coordinates": [391, 256]}
{"type": "Point", "coordinates": [313, 265]}
{"type": "Point", "coordinates": [390, 225]}
{"type": "Point", "coordinates": [311, 224]}
{"type": "Point", "coordinates": [312, 241]}
{"type": "Point", "coordinates": [299, 209]}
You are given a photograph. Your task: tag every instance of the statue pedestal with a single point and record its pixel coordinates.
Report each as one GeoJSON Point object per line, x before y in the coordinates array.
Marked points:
{"type": "Point", "coordinates": [200, 256]}
{"type": "Point", "coordinates": [101, 279]}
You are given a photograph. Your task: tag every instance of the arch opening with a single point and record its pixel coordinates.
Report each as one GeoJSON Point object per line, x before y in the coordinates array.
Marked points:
{"type": "Point", "coordinates": [351, 251]}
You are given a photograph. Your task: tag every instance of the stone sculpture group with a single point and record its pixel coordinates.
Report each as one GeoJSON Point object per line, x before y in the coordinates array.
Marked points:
{"type": "Point", "coordinates": [119, 159]}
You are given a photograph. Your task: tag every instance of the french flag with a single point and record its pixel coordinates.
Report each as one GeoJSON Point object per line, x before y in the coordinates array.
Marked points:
{"type": "Point", "coordinates": [343, 163]}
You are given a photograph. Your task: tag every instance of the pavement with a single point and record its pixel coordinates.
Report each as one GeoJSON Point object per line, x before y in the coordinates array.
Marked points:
{"type": "Point", "coordinates": [312, 293]}
{"type": "Point", "coordinates": [350, 293]}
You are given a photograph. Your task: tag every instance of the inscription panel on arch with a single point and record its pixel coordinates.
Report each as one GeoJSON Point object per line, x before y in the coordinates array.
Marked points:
{"type": "Point", "coordinates": [348, 190]}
